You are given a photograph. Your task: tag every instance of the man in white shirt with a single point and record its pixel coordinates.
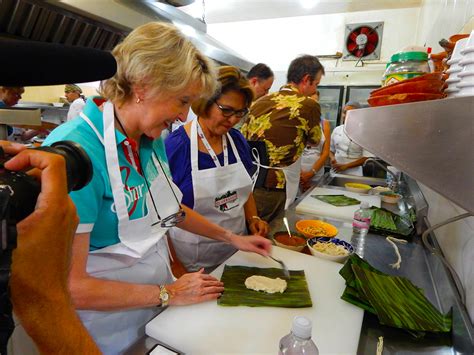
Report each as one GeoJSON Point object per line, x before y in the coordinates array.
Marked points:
{"type": "Point", "coordinates": [346, 156]}
{"type": "Point", "coordinates": [74, 95]}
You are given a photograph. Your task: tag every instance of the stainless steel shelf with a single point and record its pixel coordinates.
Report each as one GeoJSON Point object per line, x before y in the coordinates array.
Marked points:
{"type": "Point", "coordinates": [431, 141]}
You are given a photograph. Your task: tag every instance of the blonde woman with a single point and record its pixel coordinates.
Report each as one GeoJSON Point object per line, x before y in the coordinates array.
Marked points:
{"type": "Point", "coordinates": [211, 163]}
{"type": "Point", "coordinates": [120, 263]}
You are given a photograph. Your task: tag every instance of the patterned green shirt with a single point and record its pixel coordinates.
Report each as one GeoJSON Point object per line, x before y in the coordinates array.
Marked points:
{"type": "Point", "coordinates": [286, 121]}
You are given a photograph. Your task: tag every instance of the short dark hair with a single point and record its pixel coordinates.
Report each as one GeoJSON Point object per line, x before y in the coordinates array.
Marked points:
{"type": "Point", "coordinates": [260, 71]}
{"type": "Point", "coordinates": [229, 79]}
{"type": "Point", "coordinates": [303, 65]}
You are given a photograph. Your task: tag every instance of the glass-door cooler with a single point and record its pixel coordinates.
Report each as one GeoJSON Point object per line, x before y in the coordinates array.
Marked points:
{"type": "Point", "coordinates": [331, 100]}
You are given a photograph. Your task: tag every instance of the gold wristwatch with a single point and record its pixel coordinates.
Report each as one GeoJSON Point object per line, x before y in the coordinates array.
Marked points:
{"type": "Point", "coordinates": [164, 296]}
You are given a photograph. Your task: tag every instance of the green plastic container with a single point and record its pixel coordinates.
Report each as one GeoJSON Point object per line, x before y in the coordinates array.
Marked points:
{"type": "Point", "coordinates": [405, 65]}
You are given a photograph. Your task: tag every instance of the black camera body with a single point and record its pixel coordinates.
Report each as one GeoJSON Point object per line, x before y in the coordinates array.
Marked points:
{"type": "Point", "coordinates": [18, 194]}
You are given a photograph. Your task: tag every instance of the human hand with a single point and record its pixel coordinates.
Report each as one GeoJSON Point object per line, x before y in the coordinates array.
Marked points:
{"type": "Point", "coordinates": [12, 148]}
{"type": "Point", "coordinates": [194, 287]}
{"type": "Point", "coordinates": [339, 167]}
{"type": "Point", "coordinates": [252, 243]}
{"type": "Point", "coordinates": [306, 176]}
{"type": "Point", "coordinates": [258, 227]}
{"type": "Point", "coordinates": [40, 263]}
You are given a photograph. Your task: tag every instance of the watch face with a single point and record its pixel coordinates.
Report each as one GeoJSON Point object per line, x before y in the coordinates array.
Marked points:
{"type": "Point", "coordinates": [165, 296]}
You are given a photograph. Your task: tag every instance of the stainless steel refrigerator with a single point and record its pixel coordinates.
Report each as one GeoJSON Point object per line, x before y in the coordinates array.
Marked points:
{"type": "Point", "coordinates": [331, 100]}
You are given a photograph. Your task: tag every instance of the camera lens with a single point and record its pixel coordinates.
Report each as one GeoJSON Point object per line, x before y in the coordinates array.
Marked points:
{"type": "Point", "coordinates": [78, 163]}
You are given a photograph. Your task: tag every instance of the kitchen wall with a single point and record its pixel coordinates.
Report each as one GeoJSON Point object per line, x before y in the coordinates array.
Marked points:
{"type": "Point", "coordinates": [441, 19]}
{"type": "Point", "coordinates": [52, 93]}
{"type": "Point", "coordinates": [277, 41]}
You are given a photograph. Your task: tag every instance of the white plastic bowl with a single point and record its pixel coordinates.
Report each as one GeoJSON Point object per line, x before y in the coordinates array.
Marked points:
{"type": "Point", "coordinates": [453, 62]}
{"type": "Point", "coordinates": [336, 258]}
{"type": "Point", "coordinates": [467, 50]}
{"type": "Point", "coordinates": [467, 82]}
{"type": "Point", "coordinates": [465, 62]}
{"type": "Point", "coordinates": [469, 45]}
{"type": "Point", "coordinates": [379, 189]}
{"type": "Point", "coordinates": [58, 104]}
{"type": "Point", "coordinates": [465, 73]}
{"type": "Point", "coordinates": [454, 69]}
{"type": "Point", "coordinates": [453, 79]}
{"type": "Point", "coordinates": [458, 48]}
{"type": "Point", "coordinates": [467, 58]}
{"type": "Point", "coordinates": [389, 198]}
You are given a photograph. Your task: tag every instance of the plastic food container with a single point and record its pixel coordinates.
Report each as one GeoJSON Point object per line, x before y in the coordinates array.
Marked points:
{"type": "Point", "coordinates": [390, 197]}
{"type": "Point", "coordinates": [406, 65]}
{"type": "Point", "coordinates": [356, 187]}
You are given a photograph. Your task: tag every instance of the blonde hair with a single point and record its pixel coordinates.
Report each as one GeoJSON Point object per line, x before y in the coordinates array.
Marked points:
{"type": "Point", "coordinates": [158, 56]}
{"type": "Point", "coordinates": [230, 79]}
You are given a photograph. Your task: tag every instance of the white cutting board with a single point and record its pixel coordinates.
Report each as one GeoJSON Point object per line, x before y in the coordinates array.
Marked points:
{"type": "Point", "coordinates": [311, 205]}
{"type": "Point", "coordinates": [207, 328]}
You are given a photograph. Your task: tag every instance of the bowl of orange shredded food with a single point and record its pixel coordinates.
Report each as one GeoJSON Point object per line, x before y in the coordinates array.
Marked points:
{"type": "Point", "coordinates": [330, 248]}
{"type": "Point", "coordinates": [315, 228]}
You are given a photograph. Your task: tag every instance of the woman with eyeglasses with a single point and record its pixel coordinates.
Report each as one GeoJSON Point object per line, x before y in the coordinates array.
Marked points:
{"type": "Point", "coordinates": [120, 268]}
{"type": "Point", "coordinates": [211, 164]}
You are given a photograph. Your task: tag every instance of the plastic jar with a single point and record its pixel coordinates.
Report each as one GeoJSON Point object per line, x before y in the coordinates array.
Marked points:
{"type": "Point", "coordinates": [406, 65]}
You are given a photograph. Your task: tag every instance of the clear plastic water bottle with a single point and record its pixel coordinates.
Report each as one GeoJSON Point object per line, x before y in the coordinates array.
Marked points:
{"type": "Point", "coordinates": [299, 340]}
{"type": "Point", "coordinates": [360, 227]}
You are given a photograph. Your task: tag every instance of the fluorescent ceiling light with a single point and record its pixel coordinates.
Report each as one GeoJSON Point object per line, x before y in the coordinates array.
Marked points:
{"type": "Point", "coordinates": [308, 4]}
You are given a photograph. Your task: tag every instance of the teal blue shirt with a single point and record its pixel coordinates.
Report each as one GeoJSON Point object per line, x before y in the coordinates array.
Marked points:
{"type": "Point", "coordinates": [94, 202]}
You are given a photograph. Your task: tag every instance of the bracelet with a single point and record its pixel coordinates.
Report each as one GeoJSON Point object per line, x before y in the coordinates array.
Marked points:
{"type": "Point", "coordinates": [254, 217]}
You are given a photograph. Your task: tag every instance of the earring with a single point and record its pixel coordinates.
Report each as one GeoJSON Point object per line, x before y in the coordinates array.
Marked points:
{"type": "Point", "coordinates": [138, 100]}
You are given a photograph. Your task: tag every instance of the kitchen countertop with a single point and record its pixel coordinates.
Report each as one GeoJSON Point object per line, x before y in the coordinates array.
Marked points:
{"type": "Point", "coordinates": [379, 253]}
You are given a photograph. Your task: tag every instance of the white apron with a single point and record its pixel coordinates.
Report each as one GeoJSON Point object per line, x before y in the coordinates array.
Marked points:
{"type": "Point", "coordinates": [140, 257]}
{"type": "Point", "coordinates": [347, 151]}
{"type": "Point", "coordinates": [310, 155]}
{"type": "Point", "coordinates": [219, 194]}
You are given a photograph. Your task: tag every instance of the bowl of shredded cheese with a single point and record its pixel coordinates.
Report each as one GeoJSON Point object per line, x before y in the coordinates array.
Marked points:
{"type": "Point", "coordinates": [330, 248]}
{"type": "Point", "coordinates": [315, 228]}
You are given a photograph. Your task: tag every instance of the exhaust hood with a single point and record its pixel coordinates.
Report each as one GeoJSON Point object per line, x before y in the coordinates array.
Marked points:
{"type": "Point", "coordinates": [193, 28]}
{"type": "Point", "coordinates": [102, 24]}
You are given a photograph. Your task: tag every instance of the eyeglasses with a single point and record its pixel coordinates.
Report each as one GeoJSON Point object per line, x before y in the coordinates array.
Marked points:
{"type": "Point", "coordinates": [173, 219]}
{"type": "Point", "coordinates": [229, 112]}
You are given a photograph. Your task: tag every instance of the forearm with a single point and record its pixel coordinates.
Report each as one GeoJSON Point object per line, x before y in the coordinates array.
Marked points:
{"type": "Point", "coordinates": [355, 163]}
{"type": "Point", "coordinates": [198, 224]}
{"type": "Point", "coordinates": [107, 295]}
{"type": "Point", "coordinates": [250, 208]}
{"type": "Point", "coordinates": [332, 156]}
{"type": "Point", "coordinates": [60, 331]}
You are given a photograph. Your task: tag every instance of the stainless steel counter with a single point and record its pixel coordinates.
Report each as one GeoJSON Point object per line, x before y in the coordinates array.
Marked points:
{"type": "Point", "coordinates": [424, 270]}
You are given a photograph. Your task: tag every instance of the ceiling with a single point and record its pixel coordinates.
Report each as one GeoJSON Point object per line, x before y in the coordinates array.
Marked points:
{"type": "Point", "coordinates": [218, 11]}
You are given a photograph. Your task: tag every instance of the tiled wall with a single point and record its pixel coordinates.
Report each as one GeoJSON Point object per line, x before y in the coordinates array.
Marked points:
{"type": "Point", "coordinates": [456, 240]}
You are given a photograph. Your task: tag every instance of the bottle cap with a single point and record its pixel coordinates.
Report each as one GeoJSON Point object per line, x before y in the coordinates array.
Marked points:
{"type": "Point", "coordinates": [364, 204]}
{"type": "Point", "coordinates": [302, 327]}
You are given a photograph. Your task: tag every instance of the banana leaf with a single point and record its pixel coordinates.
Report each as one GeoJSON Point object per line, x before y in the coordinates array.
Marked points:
{"type": "Point", "coordinates": [386, 222]}
{"type": "Point", "coordinates": [337, 200]}
{"type": "Point", "coordinates": [395, 300]}
{"type": "Point", "coordinates": [237, 294]}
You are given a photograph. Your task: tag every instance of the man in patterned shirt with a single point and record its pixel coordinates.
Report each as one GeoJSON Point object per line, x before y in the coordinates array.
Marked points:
{"type": "Point", "coordinates": [286, 121]}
